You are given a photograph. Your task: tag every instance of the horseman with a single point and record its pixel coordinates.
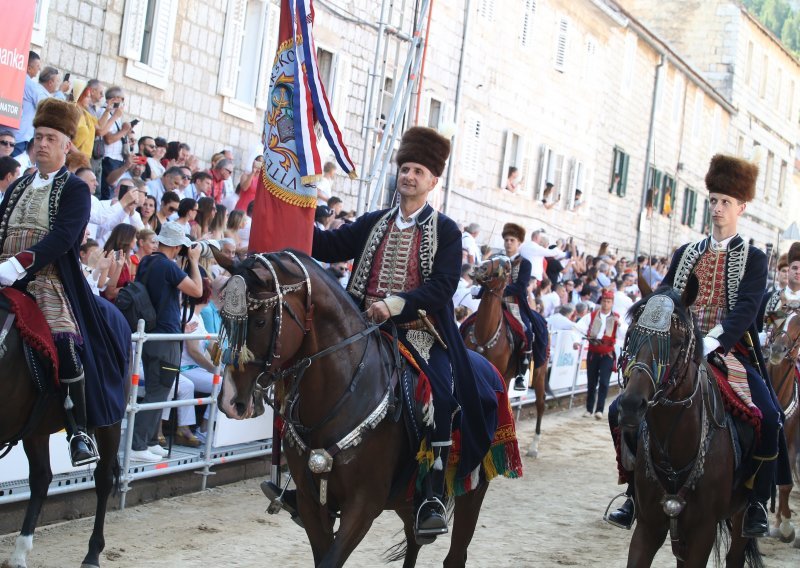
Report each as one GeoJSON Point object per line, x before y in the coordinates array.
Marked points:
{"type": "Point", "coordinates": [515, 295]}
{"type": "Point", "coordinates": [784, 299]}
{"type": "Point", "coordinates": [43, 217]}
{"type": "Point", "coordinates": [732, 277]}
{"type": "Point", "coordinates": [407, 267]}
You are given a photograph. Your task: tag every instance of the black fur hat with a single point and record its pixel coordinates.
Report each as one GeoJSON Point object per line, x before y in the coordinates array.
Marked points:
{"type": "Point", "coordinates": [794, 253]}
{"type": "Point", "coordinates": [58, 115]}
{"type": "Point", "coordinates": [424, 146]}
{"type": "Point", "coordinates": [732, 176]}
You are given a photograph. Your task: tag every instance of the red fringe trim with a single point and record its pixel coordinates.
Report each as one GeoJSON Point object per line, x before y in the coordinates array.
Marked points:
{"type": "Point", "coordinates": [734, 405]}
{"type": "Point", "coordinates": [32, 326]}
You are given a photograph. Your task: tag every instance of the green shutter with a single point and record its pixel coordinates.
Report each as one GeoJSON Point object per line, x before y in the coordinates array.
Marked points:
{"type": "Point", "coordinates": [692, 209]}
{"type": "Point", "coordinates": [623, 178]}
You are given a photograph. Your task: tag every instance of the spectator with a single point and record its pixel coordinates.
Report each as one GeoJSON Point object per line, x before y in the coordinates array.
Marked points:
{"type": "Point", "coordinates": [31, 96]}
{"type": "Point", "coordinates": [95, 265]}
{"type": "Point", "coordinates": [578, 201]}
{"type": "Point", "coordinates": [244, 232]}
{"type": "Point", "coordinates": [120, 242]}
{"type": "Point", "coordinates": [218, 224]}
{"type": "Point", "coordinates": [169, 206]}
{"type": "Point", "coordinates": [170, 181]}
{"type": "Point", "coordinates": [549, 298]}
{"type": "Point", "coordinates": [9, 171]}
{"type": "Point", "coordinates": [187, 212]}
{"type": "Point", "coordinates": [156, 167]}
{"type": "Point", "coordinates": [236, 221]}
{"type": "Point", "coordinates": [338, 271]}
{"type": "Point", "coordinates": [562, 319]}
{"type": "Point", "coordinates": [469, 243]}
{"type": "Point", "coordinates": [49, 82]}
{"type": "Point", "coordinates": [185, 187]}
{"type": "Point", "coordinates": [173, 155]}
{"type": "Point", "coordinates": [115, 140]}
{"type": "Point", "coordinates": [201, 181]}
{"type": "Point", "coordinates": [147, 211]}
{"type": "Point", "coordinates": [227, 247]}
{"type": "Point", "coordinates": [603, 277]}
{"type": "Point", "coordinates": [513, 180]}
{"type": "Point", "coordinates": [323, 217]}
{"type": "Point", "coordinates": [206, 211]}
{"type": "Point", "coordinates": [161, 359]}
{"type": "Point", "coordinates": [622, 302]}
{"type": "Point", "coordinates": [220, 174]}
{"type": "Point", "coordinates": [325, 185]}
{"type": "Point", "coordinates": [96, 92]}
{"type": "Point", "coordinates": [90, 125]}
{"type": "Point", "coordinates": [246, 190]}
{"type": "Point", "coordinates": [581, 309]}
{"type": "Point", "coordinates": [573, 295]}
{"type": "Point", "coordinates": [549, 200]}
{"type": "Point", "coordinates": [536, 251]}
{"type": "Point", "coordinates": [7, 142]}
{"type": "Point", "coordinates": [336, 206]}
{"type": "Point", "coordinates": [147, 148]}
{"type": "Point", "coordinates": [467, 290]}
{"type": "Point", "coordinates": [146, 244]}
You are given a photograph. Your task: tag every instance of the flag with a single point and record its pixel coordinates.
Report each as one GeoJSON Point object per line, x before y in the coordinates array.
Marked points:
{"type": "Point", "coordinates": [286, 197]}
{"type": "Point", "coordinates": [14, 45]}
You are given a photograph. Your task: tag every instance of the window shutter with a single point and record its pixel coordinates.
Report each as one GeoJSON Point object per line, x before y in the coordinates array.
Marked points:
{"type": "Point", "coordinates": [692, 209]}
{"type": "Point", "coordinates": [486, 9]}
{"type": "Point", "coordinates": [268, 51]}
{"type": "Point", "coordinates": [232, 47]}
{"type": "Point", "coordinates": [341, 89]}
{"type": "Point", "coordinates": [161, 47]}
{"type": "Point", "coordinates": [133, 20]}
{"type": "Point", "coordinates": [561, 45]}
{"type": "Point", "coordinates": [545, 154]}
{"type": "Point", "coordinates": [526, 166]}
{"type": "Point", "coordinates": [471, 146]}
{"type": "Point", "coordinates": [506, 158]}
{"type": "Point", "coordinates": [527, 23]}
{"type": "Point", "coordinates": [623, 177]}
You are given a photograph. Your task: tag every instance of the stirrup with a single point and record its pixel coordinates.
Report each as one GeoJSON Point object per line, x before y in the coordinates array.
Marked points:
{"type": "Point", "coordinates": [763, 534]}
{"type": "Point", "coordinates": [439, 508]}
{"type": "Point", "coordinates": [90, 445]}
{"type": "Point", "coordinates": [277, 503]}
{"type": "Point", "coordinates": [612, 522]}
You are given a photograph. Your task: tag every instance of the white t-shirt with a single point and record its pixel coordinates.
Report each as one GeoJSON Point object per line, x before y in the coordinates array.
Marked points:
{"type": "Point", "coordinates": [468, 243]}
{"type": "Point", "coordinates": [550, 303]}
{"type": "Point", "coordinates": [114, 151]}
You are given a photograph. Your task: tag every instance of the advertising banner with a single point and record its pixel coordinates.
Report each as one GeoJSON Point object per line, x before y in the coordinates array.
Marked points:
{"type": "Point", "coordinates": [14, 46]}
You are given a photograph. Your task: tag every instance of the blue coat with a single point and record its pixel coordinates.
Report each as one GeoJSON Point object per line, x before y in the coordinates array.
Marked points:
{"type": "Point", "coordinates": [440, 263]}
{"type": "Point", "coordinates": [106, 335]}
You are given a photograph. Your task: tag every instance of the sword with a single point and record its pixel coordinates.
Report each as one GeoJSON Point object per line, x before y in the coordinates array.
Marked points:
{"type": "Point", "coordinates": [423, 315]}
{"type": "Point", "coordinates": [751, 348]}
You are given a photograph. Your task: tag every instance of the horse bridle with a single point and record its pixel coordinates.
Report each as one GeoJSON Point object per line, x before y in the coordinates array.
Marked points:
{"type": "Point", "coordinates": [501, 273]}
{"type": "Point", "coordinates": [794, 346]}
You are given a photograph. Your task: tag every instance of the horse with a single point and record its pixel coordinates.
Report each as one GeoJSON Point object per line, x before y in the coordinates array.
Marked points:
{"type": "Point", "coordinates": [308, 341]}
{"type": "Point", "coordinates": [688, 488]}
{"type": "Point", "coordinates": [31, 416]}
{"type": "Point", "coordinates": [782, 367]}
{"type": "Point", "coordinates": [490, 335]}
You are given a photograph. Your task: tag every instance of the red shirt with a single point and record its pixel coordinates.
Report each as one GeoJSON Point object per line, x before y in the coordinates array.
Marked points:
{"type": "Point", "coordinates": [217, 187]}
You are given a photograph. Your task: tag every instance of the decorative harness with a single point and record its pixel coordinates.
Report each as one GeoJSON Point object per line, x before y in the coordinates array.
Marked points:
{"type": "Point", "coordinates": [320, 460]}
{"type": "Point", "coordinates": [482, 278]}
{"type": "Point", "coordinates": [653, 327]}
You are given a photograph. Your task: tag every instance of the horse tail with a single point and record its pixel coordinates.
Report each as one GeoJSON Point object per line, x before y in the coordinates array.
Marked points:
{"type": "Point", "coordinates": [396, 552]}
{"type": "Point", "coordinates": [116, 471]}
{"type": "Point", "coordinates": [723, 540]}
{"type": "Point", "coordinates": [752, 554]}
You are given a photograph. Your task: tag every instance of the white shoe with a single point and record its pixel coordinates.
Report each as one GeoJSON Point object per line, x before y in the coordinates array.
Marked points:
{"type": "Point", "coordinates": [598, 415]}
{"type": "Point", "coordinates": [144, 456]}
{"type": "Point", "coordinates": [200, 435]}
{"type": "Point", "coordinates": [587, 414]}
{"type": "Point", "coordinates": [158, 450]}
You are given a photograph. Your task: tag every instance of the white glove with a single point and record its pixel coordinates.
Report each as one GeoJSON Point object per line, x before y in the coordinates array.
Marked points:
{"type": "Point", "coordinates": [474, 291]}
{"type": "Point", "coordinates": [709, 345]}
{"type": "Point", "coordinates": [10, 272]}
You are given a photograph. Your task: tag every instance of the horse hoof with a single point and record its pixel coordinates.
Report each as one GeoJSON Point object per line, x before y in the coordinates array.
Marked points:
{"type": "Point", "coordinates": [786, 532]}
{"type": "Point", "coordinates": [533, 452]}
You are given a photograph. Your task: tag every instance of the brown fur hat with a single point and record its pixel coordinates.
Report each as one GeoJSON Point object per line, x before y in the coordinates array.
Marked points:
{"type": "Point", "coordinates": [783, 261]}
{"type": "Point", "coordinates": [732, 176]}
{"type": "Point", "coordinates": [794, 253]}
{"type": "Point", "coordinates": [424, 146]}
{"type": "Point", "coordinates": [514, 230]}
{"type": "Point", "coordinates": [58, 115]}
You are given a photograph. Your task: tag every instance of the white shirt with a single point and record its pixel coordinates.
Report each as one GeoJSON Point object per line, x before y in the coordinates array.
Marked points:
{"type": "Point", "coordinates": [558, 322]}
{"type": "Point", "coordinates": [324, 187]}
{"type": "Point", "coordinates": [536, 253]}
{"type": "Point", "coordinates": [582, 327]}
{"type": "Point", "coordinates": [550, 302]}
{"type": "Point", "coordinates": [114, 150]}
{"type": "Point", "coordinates": [156, 169]}
{"type": "Point", "coordinates": [464, 295]}
{"type": "Point", "coordinates": [403, 224]}
{"type": "Point", "coordinates": [791, 296]}
{"type": "Point", "coordinates": [468, 243]}
{"type": "Point", "coordinates": [720, 245]}
{"type": "Point", "coordinates": [621, 303]}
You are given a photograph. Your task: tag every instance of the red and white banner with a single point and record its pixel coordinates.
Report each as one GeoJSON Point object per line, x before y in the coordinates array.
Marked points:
{"type": "Point", "coordinates": [15, 43]}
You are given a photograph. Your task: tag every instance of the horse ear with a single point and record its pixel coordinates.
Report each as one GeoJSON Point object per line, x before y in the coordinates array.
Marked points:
{"type": "Point", "coordinates": [223, 260]}
{"type": "Point", "coordinates": [644, 287]}
{"type": "Point", "coordinates": [690, 292]}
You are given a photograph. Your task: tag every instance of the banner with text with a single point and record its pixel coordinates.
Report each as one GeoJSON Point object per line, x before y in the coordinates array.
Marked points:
{"type": "Point", "coordinates": [14, 46]}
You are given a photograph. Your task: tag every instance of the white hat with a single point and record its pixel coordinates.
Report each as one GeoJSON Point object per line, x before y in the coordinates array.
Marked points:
{"type": "Point", "coordinates": [173, 235]}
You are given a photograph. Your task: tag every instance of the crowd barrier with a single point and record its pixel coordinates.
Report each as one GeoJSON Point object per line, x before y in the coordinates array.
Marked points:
{"type": "Point", "coordinates": [229, 440]}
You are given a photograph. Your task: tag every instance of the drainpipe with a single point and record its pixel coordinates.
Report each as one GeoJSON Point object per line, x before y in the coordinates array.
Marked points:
{"type": "Point", "coordinates": [457, 111]}
{"type": "Point", "coordinates": [650, 134]}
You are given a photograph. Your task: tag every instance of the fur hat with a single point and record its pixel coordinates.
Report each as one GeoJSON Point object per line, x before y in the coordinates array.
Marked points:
{"type": "Point", "coordinates": [58, 115]}
{"type": "Point", "coordinates": [424, 146]}
{"type": "Point", "coordinates": [783, 261]}
{"type": "Point", "coordinates": [794, 253]}
{"type": "Point", "coordinates": [607, 295]}
{"type": "Point", "coordinates": [514, 230]}
{"type": "Point", "coordinates": [732, 176]}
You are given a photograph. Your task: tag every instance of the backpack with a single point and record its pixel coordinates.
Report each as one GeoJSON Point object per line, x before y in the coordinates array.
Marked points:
{"type": "Point", "coordinates": [99, 148]}
{"type": "Point", "coordinates": [134, 302]}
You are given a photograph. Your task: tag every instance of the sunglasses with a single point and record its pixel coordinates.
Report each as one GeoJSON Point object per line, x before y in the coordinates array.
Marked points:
{"type": "Point", "coordinates": [229, 171]}
{"type": "Point", "coordinates": [172, 209]}
{"type": "Point", "coordinates": [6, 143]}
{"type": "Point", "coordinates": [187, 178]}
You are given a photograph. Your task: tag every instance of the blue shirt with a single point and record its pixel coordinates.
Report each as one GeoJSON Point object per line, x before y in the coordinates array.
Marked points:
{"type": "Point", "coordinates": [211, 318]}
{"type": "Point", "coordinates": [163, 277]}
{"type": "Point", "coordinates": [31, 96]}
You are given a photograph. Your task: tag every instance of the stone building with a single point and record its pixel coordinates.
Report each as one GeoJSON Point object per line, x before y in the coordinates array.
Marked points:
{"type": "Point", "coordinates": [561, 89]}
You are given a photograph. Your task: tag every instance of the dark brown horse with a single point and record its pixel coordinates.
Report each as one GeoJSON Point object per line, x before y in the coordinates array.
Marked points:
{"type": "Point", "coordinates": [684, 473]}
{"type": "Point", "coordinates": [490, 335]}
{"type": "Point", "coordinates": [332, 376]}
{"type": "Point", "coordinates": [782, 360]}
{"type": "Point", "coordinates": [20, 396]}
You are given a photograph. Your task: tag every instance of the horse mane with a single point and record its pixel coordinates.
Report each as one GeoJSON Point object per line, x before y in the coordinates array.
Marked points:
{"type": "Point", "coordinates": [683, 312]}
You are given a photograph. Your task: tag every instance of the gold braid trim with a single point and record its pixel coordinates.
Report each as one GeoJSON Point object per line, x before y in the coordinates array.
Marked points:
{"type": "Point", "coordinates": [288, 196]}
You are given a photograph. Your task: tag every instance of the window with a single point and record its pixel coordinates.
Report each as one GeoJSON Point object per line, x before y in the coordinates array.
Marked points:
{"type": "Point", "coordinates": [387, 100]}
{"type": "Point", "coordinates": [662, 86]}
{"type": "Point", "coordinates": [716, 129]}
{"type": "Point", "coordinates": [697, 115]}
{"type": "Point", "coordinates": [590, 62]}
{"type": "Point", "coordinates": [526, 34]}
{"type": "Point", "coordinates": [148, 28]}
{"type": "Point", "coordinates": [629, 63]}
{"type": "Point", "coordinates": [472, 146]}
{"type": "Point", "coordinates": [778, 88]}
{"type": "Point", "coordinates": [740, 147]}
{"type": "Point", "coordinates": [486, 9]}
{"type": "Point", "coordinates": [334, 73]}
{"type": "Point", "coordinates": [762, 89]}
{"type": "Point", "coordinates": [40, 22]}
{"type": "Point", "coordinates": [513, 156]}
{"type": "Point", "coordinates": [435, 113]}
{"type": "Point", "coordinates": [748, 68]}
{"type": "Point", "coordinates": [790, 101]}
{"type": "Point", "coordinates": [546, 157]}
{"type": "Point", "coordinates": [667, 195]}
{"type": "Point", "coordinates": [768, 175]}
{"type": "Point", "coordinates": [653, 197]}
{"type": "Point", "coordinates": [562, 44]}
{"type": "Point", "coordinates": [619, 173]}
{"type": "Point", "coordinates": [689, 207]}
{"type": "Point", "coordinates": [782, 183]}
{"type": "Point", "coordinates": [577, 183]}
{"type": "Point", "coordinates": [678, 91]}
{"type": "Point", "coordinates": [706, 227]}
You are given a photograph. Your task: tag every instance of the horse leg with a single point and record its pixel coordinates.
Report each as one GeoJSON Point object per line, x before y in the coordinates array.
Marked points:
{"type": "Point", "coordinates": [105, 474]}
{"type": "Point", "coordinates": [697, 551]}
{"type": "Point", "coordinates": [318, 525]}
{"type": "Point", "coordinates": [783, 515]}
{"type": "Point", "coordinates": [645, 542]}
{"type": "Point", "coordinates": [465, 518]}
{"type": "Point", "coordinates": [539, 376]}
{"type": "Point", "coordinates": [354, 524]}
{"type": "Point", "coordinates": [735, 557]}
{"type": "Point", "coordinates": [37, 448]}
{"type": "Point", "coordinates": [412, 548]}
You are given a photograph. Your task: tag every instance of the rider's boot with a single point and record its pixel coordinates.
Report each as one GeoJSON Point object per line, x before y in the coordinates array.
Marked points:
{"type": "Point", "coordinates": [82, 449]}
{"type": "Point", "coordinates": [756, 523]}
{"type": "Point", "coordinates": [283, 499]}
{"type": "Point", "coordinates": [626, 514]}
{"type": "Point", "coordinates": [431, 517]}
{"type": "Point", "coordinates": [525, 361]}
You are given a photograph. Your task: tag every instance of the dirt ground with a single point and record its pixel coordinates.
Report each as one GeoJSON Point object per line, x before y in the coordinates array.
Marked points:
{"type": "Point", "coordinates": [550, 517]}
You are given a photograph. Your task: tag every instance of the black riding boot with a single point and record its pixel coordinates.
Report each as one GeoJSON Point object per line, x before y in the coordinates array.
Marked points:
{"type": "Point", "coordinates": [524, 364]}
{"type": "Point", "coordinates": [626, 514]}
{"type": "Point", "coordinates": [431, 518]}
{"type": "Point", "coordinates": [82, 448]}
{"type": "Point", "coordinates": [756, 523]}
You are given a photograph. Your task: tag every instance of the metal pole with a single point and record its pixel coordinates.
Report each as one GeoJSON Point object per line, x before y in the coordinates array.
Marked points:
{"type": "Point", "coordinates": [139, 338]}
{"type": "Point", "coordinates": [448, 184]}
{"type": "Point", "coordinates": [213, 413]}
{"type": "Point", "coordinates": [650, 136]}
{"type": "Point", "coordinates": [577, 372]}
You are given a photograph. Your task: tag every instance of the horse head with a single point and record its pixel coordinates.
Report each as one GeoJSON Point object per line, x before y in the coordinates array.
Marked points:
{"type": "Point", "coordinates": [493, 273]}
{"type": "Point", "coordinates": [265, 310]}
{"type": "Point", "coordinates": [786, 342]}
{"type": "Point", "coordinates": [662, 347]}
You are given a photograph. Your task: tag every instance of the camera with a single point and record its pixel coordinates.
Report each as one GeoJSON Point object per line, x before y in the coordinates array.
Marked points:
{"type": "Point", "coordinates": [205, 248]}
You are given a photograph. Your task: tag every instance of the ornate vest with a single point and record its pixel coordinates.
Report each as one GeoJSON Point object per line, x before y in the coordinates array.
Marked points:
{"type": "Point", "coordinates": [395, 267]}
{"type": "Point", "coordinates": [609, 334]}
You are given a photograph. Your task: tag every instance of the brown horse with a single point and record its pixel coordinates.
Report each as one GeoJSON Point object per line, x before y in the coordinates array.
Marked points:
{"type": "Point", "coordinates": [684, 469]}
{"type": "Point", "coordinates": [490, 335]}
{"type": "Point", "coordinates": [782, 361]}
{"type": "Point", "coordinates": [19, 402]}
{"type": "Point", "coordinates": [332, 374]}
